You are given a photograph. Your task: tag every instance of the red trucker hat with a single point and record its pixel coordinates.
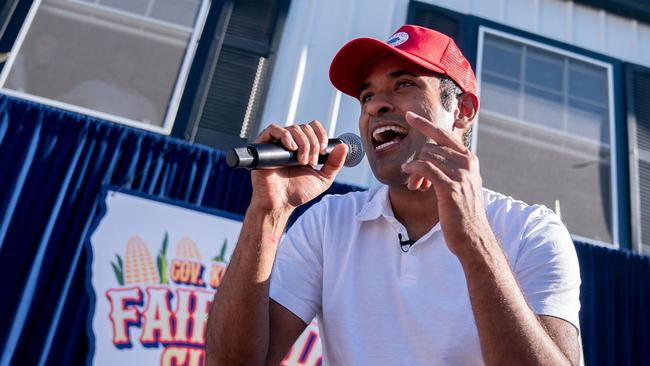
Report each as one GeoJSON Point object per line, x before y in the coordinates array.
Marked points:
{"type": "Point", "coordinates": [423, 46]}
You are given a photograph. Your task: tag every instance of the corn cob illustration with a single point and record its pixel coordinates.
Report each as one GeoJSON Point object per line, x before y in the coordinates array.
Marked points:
{"type": "Point", "coordinates": [186, 248]}
{"type": "Point", "coordinates": [139, 267]}
{"type": "Point", "coordinates": [161, 261]}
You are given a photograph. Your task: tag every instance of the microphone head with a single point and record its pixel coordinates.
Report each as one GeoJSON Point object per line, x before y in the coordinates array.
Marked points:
{"type": "Point", "coordinates": [240, 157]}
{"type": "Point", "coordinates": [355, 149]}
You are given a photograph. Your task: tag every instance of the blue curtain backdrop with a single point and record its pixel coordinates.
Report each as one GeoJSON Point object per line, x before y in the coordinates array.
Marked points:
{"type": "Point", "coordinates": [52, 167]}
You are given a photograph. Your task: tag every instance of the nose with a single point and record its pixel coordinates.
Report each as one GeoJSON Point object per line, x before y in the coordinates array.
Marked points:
{"type": "Point", "coordinates": [378, 105]}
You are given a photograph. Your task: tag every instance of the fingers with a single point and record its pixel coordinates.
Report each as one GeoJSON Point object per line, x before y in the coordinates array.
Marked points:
{"type": "Point", "coordinates": [335, 161]}
{"type": "Point", "coordinates": [314, 144]}
{"type": "Point", "coordinates": [414, 182]}
{"type": "Point", "coordinates": [429, 129]}
{"type": "Point", "coordinates": [426, 184]}
{"type": "Point", "coordinates": [308, 140]}
{"type": "Point", "coordinates": [303, 144]}
{"type": "Point", "coordinates": [427, 170]}
{"type": "Point", "coordinates": [445, 154]}
{"type": "Point", "coordinates": [276, 133]}
{"type": "Point", "coordinates": [440, 166]}
{"type": "Point", "coordinates": [417, 182]}
{"type": "Point", "coordinates": [320, 132]}
{"type": "Point", "coordinates": [434, 164]}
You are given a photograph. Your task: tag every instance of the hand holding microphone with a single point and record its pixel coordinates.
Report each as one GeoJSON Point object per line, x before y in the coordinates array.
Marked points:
{"type": "Point", "coordinates": [282, 160]}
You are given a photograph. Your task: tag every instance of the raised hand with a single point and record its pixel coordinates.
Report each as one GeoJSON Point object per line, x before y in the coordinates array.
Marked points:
{"type": "Point", "coordinates": [452, 170]}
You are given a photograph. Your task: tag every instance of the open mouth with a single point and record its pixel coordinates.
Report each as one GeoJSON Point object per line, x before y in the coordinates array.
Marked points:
{"type": "Point", "coordinates": [386, 136]}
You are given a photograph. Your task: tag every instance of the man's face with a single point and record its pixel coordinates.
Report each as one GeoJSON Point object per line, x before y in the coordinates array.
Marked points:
{"type": "Point", "coordinates": [394, 86]}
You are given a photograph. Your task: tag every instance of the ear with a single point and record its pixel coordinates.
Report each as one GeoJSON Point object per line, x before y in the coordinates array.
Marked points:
{"type": "Point", "coordinates": [468, 105]}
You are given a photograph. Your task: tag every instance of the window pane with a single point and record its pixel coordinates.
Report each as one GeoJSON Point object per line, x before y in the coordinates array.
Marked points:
{"type": "Point", "coordinates": [96, 58]}
{"type": "Point", "coordinates": [565, 164]}
{"type": "Point", "coordinates": [587, 82]}
{"type": "Point", "coordinates": [544, 69]}
{"type": "Point", "coordinates": [502, 57]}
{"type": "Point", "coordinates": [588, 121]}
{"type": "Point", "coordinates": [543, 108]}
{"type": "Point", "coordinates": [181, 12]}
{"type": "Point", "coordinates": [500, 95]}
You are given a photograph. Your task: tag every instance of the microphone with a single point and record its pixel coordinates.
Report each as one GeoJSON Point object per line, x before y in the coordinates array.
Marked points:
{"type": "Point", "coordinates": [274, 155]}
{"type": "Point", "coordinates": [405, 244]}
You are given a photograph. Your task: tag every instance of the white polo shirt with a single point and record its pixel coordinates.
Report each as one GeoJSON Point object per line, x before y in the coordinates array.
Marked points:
{"type": "Point", "coordinates": [377, 305]}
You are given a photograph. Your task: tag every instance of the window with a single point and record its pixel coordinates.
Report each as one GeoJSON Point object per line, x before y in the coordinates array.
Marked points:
{"type": "Point", "coordinates": [122, 60]}
{"type": "Point", "coordinates": [546, 131]}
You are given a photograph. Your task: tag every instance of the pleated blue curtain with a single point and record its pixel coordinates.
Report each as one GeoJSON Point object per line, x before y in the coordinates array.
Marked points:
{"type": "Point", "coordinates": [615, 295]}
{"type": "Point", "coordinates": [53, 165]}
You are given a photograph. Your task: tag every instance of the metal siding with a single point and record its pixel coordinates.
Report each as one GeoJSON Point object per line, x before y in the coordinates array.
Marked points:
{"type": "Point", "coordinates": [287, 71]}
{"type": "Point", "coordinates": [587, 27]}
{"type": "Point", "coordinates": [553, 20]}
{"type": "Point", "coordinates": [461, 6]}
{"type": "Point", "coordinates": [493, 10]}
{"type": "Point", "coordinates": [643, 34]}
{"type": "Point", "coordinates": [522, 14]}
{"type": "Point", "coordinates": [620, 37]}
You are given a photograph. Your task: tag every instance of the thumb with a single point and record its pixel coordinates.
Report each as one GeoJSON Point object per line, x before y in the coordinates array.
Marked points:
{"type": "Point", "coordinates": [335, 161]}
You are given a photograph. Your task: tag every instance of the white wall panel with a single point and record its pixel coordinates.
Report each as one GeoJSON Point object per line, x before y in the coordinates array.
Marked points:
{"type": "Point", "coordinates": [461, 6]}
{"type": "Point", "coordinates": [620, 37]}
{"type": "Point", "coordinates": [331, 20]}
{"type": "Point", "coordinates": [286, 80]}
{"type": "Point", "coordinates": [522, 14]}
{"type": "Point", "coordinates": [587, 28]}
{"type": "Point", "coordinates": [554, 20]}
{"type": "Point", "coordinates": [493, 10]}
{"type": "Point", "coordinates": [643, 45]}
{"type": "Point", "coordinates": [315, 29]}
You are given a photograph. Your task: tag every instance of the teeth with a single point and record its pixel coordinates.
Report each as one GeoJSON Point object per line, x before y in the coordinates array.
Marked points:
{"type": "Point", "coordinates": [398, 129]}
{"type": "Point", "coordinates": [385, 144]}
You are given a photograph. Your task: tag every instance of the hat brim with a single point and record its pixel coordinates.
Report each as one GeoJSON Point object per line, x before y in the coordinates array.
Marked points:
{"type": "Point", "coordinates": [350, 65]}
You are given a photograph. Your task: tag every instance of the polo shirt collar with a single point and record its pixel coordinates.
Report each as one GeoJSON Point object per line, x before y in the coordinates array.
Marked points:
{"type": "Point", "coordinates": [377, 205]}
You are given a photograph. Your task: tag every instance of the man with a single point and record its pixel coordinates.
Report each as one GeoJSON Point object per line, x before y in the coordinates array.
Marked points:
{"type": "Point", "coordinates": [480, 278]}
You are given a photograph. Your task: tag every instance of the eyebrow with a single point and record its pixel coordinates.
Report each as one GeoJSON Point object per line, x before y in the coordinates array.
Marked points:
{"type": "Point", "coordinates": [393, 75]}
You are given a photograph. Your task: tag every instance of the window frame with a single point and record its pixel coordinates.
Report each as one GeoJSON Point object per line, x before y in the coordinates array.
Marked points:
{"type": "Point", "coordinates": [177, 91]}
{"type": "Point", "coordinates": [612, 114]}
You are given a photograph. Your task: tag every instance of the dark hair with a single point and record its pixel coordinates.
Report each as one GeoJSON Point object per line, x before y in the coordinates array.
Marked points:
{"type": "Point", "coordinates": [449, 91]}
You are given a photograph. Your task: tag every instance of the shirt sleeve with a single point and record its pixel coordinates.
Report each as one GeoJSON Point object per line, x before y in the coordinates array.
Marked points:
{"type": "Point", "coordinates": [547, 269]}
{"type": "Point", "coordinates": [297, 277]}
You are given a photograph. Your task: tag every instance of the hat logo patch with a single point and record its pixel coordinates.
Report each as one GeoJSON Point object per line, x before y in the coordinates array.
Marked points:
{"type": "Point", "coordinates": [398, 38]}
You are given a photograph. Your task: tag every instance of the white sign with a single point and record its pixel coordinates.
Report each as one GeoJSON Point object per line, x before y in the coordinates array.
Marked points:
{"type": "Point", "coordinates": [155, 269]}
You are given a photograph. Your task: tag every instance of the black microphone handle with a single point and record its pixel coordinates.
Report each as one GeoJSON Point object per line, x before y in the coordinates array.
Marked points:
{"type": "Point", "coordinates": [274, 155]}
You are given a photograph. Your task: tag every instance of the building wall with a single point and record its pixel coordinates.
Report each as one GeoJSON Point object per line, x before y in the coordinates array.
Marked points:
{"type": "Point", "coordinates": [300, 90]}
